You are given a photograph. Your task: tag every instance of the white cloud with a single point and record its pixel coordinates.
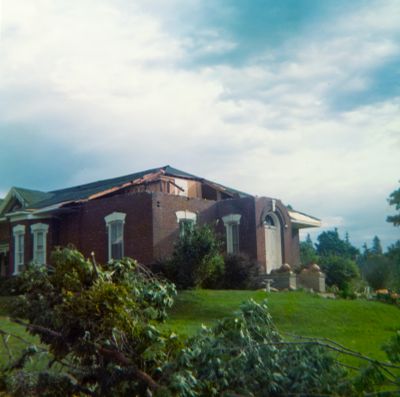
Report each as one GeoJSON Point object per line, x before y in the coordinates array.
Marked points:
{"type": "Point", "coordinates": [109, 77]}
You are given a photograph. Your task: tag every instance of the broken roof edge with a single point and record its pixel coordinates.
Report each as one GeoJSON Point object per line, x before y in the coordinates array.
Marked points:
{"type": "Point", "coordinates": [171, 171]}
{"type": "Point", "coordinates": [125, 177]}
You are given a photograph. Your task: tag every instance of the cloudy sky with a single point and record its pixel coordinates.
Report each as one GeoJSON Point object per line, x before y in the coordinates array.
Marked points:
{"type": "Point", "coordinates": [294, 99]}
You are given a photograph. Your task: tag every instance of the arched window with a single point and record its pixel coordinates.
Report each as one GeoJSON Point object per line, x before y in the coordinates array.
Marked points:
{"type": "Point", "coordinates": [115, 225]}
{"type": "Point", "coordinates": [269, 221]}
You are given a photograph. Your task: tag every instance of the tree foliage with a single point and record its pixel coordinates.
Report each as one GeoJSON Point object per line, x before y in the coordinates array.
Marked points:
{"type": "Point", "coordinates": [100, 328]}
{"type": "Point", "coordinates": [393, 253]}
{"type": "Point", "coordinates": [376, 246]}
{"type": "Point", "coordinates": [394, 199]}
{"type": "Point", "coordinates": [196, 260]}
{"type": "Point", "coordinates": [308, 253]}
{"type": "Point", "coordinates": [330, 244]}
{"type": "Point", "coordinates": [339, 271]}
{"type": "Point", "coordinates": [378, 271]}
{"type": "Point", "coordinates": [246, 356]}
{"type": "Point", "coordinates": [381, 270]}
{"type": "Point", "coordinates": [240, 272]}
{"type": "Point", "coordinates": [98, 321]}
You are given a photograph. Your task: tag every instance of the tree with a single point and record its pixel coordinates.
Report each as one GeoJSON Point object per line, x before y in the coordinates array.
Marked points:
{"type": "Point", "coordinates": [378, 271]}
{"type": "Point", "coordinates": [376, 246]}
{"type": "Point", "coordinates": [308, 253]}
{"type": "Point", "coordinates": [394, 250]}
{"type": "Point", "coordinates": [196, 260]}
{"type": "Point", "coordinates": [246, 356]}
{"type": "Point", "coordinates": [394, 199]}
{"type": "Point", "coordinates": [340, 271]}
{"type": "Point", "coordinates": [330, 243]}
{"type": "Point", "coordinates": [393, 253]}
{"type": "Point", "coordinates": [99, 323]}
{"type": "Point", "coordinates": [240, 272]}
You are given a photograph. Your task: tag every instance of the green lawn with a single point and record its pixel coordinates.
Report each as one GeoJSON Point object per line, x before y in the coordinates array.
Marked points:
{"type": "Point", "coordinates": [14, 342]}
{"type": "Point", "coordinates": [360, 325]}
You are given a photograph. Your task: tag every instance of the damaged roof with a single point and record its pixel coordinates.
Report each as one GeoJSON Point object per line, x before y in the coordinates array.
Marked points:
{"type": "Point", "coordinates": [44, 202]}
{"type": "Point", "coordinates": [35, 200]}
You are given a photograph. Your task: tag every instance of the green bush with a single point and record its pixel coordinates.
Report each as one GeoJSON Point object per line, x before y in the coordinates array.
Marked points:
{"type": "Point", "coordinates": [339, 271]}
{"type": "Point", "coordinates": [99, 322]}
{"type": "Point", "coordinates": [246, 356]}
{"type": "Point", "coordinates": [240, 272]}
{"type": "Point", "coordinates": [9, 286]}
{"type": "Point", "coordinates": [196, 260]}
{"type": "Point", "coordinates": [378, 271]}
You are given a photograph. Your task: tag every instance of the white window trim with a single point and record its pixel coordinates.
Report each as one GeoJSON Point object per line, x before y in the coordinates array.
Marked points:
{"type": "Point", "coordinates": [229, 220]}
{"type": "Point", "coordinates": [18, 230]}
{"type": "Point", "coordinates": [186, 215]}
{"type": "Point", "coordinates": [35, 229]}
{"type": "Point", "coordinates": [109, 219]}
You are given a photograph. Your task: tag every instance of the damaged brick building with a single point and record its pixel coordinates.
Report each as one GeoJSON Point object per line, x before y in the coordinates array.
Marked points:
{"type": "Point", "coordinates": [141, 215]}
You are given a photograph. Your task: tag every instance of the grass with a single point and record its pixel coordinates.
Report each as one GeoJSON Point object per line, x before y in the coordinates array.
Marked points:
{"type": "Point", "coordinates": [16, 331]}
{"type": "Point", "coordinates": [360, 325]}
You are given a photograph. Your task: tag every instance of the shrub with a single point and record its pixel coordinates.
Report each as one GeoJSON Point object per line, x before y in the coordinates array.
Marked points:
{"type": "Point", "coordinates": [196, 260]}
{"type": "Point", "coordinates": [9, 286]}
{"type": "Point", "coordinates": [339, 271]}
{"type": "Point", "coordinates": [240, 272]}
{"type": "Point", "coordinates": [99, 323]}
{"type": "Point", "coordinates": [378, 271]}
{"type": "Point", "coordinates": [246, 356]}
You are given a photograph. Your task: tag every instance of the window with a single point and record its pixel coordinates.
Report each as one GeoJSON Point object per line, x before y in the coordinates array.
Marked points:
{"type": "Point", "coordinates": [115, 225]}
{"type": "Point", "coordinates": [19, 248]}
{"type": "Point", "coordinates": [232, 223]}
{"type": "Point", "coordinates": [39, 231]}
{"type": "Point", "coordinates": [186, 220]}
{"type": "Point", "coordinates": [269, 221]}
{"type": "Point", "coordinates": [185, 226]}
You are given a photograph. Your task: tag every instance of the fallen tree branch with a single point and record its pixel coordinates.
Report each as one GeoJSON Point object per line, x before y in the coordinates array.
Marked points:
{"type": "Point", "coordinates": [342, 349]}
{"type": "Point", "coordinates": [39, 328]}
{"type": "Point", "coordinates": [120, 358]}
{"type": "Point", "coordinates": [5, 343]}
{"type": "Point", "coordinates": [114, 355]}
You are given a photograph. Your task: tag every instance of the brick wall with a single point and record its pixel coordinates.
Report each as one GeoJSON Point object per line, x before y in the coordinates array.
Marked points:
{"type": "Point", "coordinates": [86, 229]}
{"type": "Point", "coordinates": [165, 223]}
{"type": "Point", "coordinates": [247, 228]}
{"type": "Point", "coordinates": [151, 226]}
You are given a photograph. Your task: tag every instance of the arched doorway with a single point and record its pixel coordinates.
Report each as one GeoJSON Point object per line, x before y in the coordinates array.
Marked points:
{"type": "Point", "coordinates": [273, 242]}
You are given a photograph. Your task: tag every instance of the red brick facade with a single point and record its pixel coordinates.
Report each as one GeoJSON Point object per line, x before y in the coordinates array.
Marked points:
{"type": "Point", "coordinates": [151, 222]}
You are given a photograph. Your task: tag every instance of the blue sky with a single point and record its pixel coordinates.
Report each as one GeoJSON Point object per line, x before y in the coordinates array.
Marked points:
{"type": "Point", "coordinates": [295, 99]}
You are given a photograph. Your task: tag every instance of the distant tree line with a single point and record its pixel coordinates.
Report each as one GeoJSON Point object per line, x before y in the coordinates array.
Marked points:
{"type": "Point", "coordinates": [346, 266]}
